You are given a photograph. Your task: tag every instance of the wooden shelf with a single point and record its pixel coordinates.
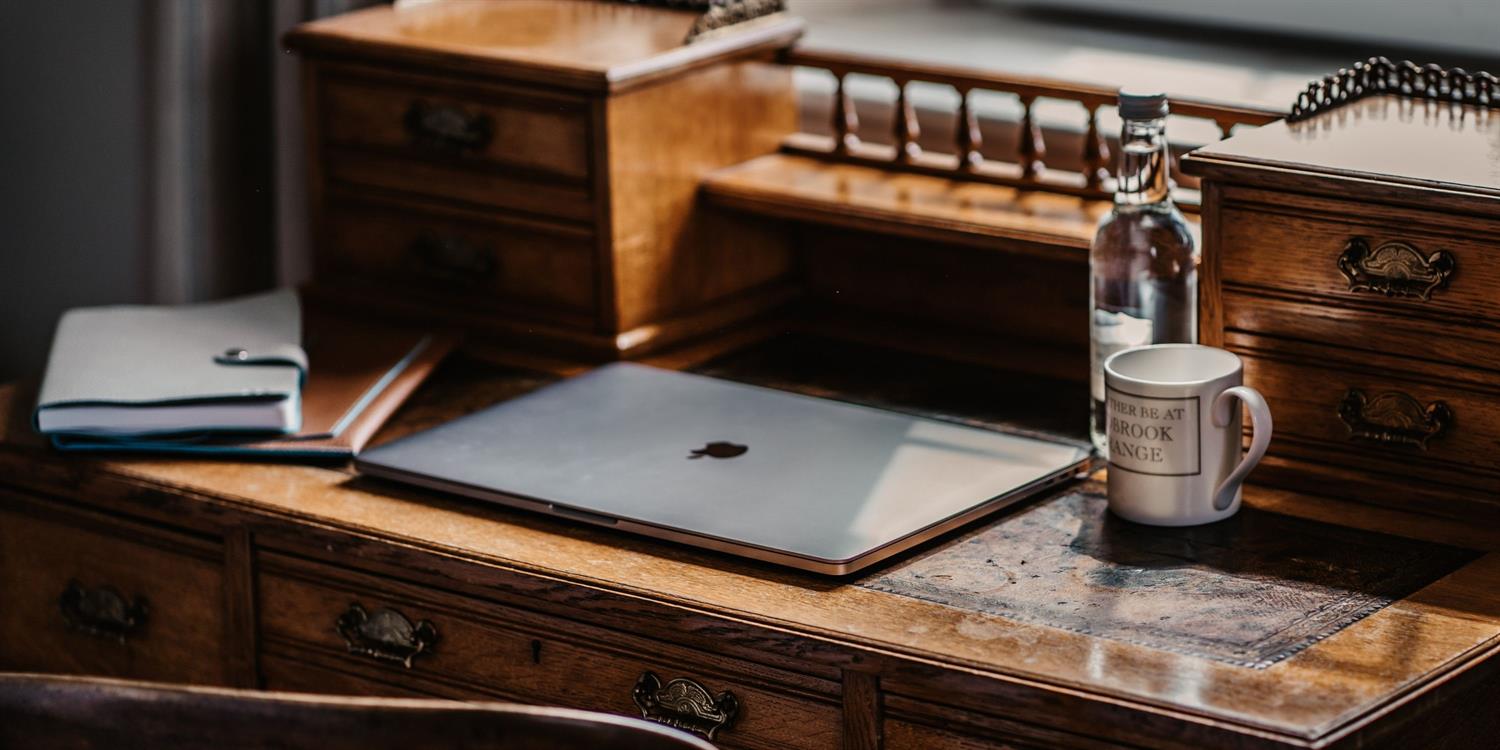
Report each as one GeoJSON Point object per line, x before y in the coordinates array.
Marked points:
{"type": "Point", "coordinates": [920, 206]}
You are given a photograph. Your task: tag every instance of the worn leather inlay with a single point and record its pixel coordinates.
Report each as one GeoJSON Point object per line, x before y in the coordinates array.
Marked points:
{"type": "Point", "coordinates": [1251, 590]}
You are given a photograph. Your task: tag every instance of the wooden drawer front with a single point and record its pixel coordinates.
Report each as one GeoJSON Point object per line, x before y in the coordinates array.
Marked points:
{"type": "Point", "coordinates": [1382, 333]}
{"type": "Point", "coordinates": [454, 641]}
{"type": "Point", "coordinates": [533, 271]}
{"type": "Point", "coordinates": [916, 724]}
{"type": "Point", "coordinates": [420, 179]}
{"type": "Point", "coordinates": [1382, 419]}
{"type": "Point", "coordinates": [468, 126]}
{"type": "Point", "coordinates": [901, 735]}
{"type": "Point", "coordinates": [1398, 261]}
{"type": "Point", "coordinates": [295, 673]}
{"type": "Point", "coordinates": [478, 146]}
{"type": "Point", "coordinates": [86, 597]}
{"type": "Point", "coordinates": [911, 735]}
{"type": "Point", "coordinates": [473, 128]}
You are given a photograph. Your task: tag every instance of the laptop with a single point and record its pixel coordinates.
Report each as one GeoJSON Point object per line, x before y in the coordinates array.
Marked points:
{"type": "Point", "coordinates": [819, 485]}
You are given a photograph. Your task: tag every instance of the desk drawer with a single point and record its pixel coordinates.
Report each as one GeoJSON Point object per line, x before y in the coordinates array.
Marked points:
{"type": "Point", "coordinates": [407, 633]}
{"type": "Point", "coordinates": [902, 735]}
{"type": "Point", "coordinates": [916, 724]}
{"type": "Point", "coordinates": [83, 595]}
{"type": "Point", "coordinates": [1388, 260]}
{"type": "Point", "coordinates": [295, 673]}
{"type": "Point", "coordinates": [476, 128]}
{"type": "Point", "coordinates": [480, 145]}
{"type": "Point", "coordinates": [1394, 422]}
{"type": "Point", "coordinates": [1416, 338]}
{"type": "Point", "coordinates": [908, 735]}
{"type": "Point", "coordinates": [531, 269]}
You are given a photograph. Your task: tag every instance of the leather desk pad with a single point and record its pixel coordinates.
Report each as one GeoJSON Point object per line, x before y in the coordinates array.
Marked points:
{"type": "Point", "coordinates": [1251, 590]}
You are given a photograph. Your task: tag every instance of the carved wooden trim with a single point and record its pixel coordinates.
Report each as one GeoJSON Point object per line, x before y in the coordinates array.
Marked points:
{"type": "Point", "coordinates": [722, 14]}
{"type": "Point", "coordinates": [1379, 75]}
{"type": "Point", "coordinates": [963, 161]}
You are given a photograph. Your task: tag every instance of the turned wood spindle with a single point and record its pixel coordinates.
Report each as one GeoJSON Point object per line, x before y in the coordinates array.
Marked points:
{"type": "Point", "coordinates": [1095, 153]}
{"type": "Point", "coordinates": [1033, 148]}
{"type": "Point", "coordinates": [969, 139]}
{"type": "Point", "coordinates": [905, 126]}
{"type": "Point", "coordinates": [1226, 128]}
{"type": "Point", "coordinates": [845, 119]}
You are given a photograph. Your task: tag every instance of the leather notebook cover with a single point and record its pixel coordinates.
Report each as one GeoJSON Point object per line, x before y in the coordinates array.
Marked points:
{"type": "Point", "coordinates": [359, 374]}
{"type": "Point", "coordinates": [125, 371]}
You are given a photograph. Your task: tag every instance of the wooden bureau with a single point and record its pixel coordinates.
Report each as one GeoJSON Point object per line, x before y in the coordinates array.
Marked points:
{"type": "Point", "coordinates": [528, 169]}
{"type": "Point", "coordinates": [312, 578]}
{"type": "Point", "coordinates": [1351, 259]}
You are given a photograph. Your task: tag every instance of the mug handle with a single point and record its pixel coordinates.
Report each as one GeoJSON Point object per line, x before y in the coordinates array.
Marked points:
{"type": "Point", "coordinates": [1260, 438]}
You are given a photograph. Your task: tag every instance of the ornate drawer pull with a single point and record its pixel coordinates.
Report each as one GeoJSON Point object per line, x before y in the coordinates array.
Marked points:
{"type": "Point", "coordinates": [103, 612]}
{"type": "Point", "coordinates": [1395, 269]}
{"type": "Point", "coordinates": [685, 704]}
{"type": "Point", "coordinates": [447, 127]}
{"type": "Point", "coordinates": [451, 259]}
{"type": "Point", "coordinates": [1393, 418]}
{"type": "Point", "coordinates": [385, 635]}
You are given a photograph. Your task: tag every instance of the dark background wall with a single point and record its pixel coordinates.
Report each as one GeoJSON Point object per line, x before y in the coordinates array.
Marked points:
{"type": "Point", "coordinates": [149, 152]}
{"type": "Point", "coordinates": [72, 152]}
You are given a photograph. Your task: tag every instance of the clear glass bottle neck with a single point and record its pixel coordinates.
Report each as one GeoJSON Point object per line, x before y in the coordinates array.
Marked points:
{"type": "Point", "coordinates": [1143, 179]}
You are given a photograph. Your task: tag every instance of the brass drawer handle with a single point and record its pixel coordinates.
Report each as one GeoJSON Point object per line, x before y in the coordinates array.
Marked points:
{"type": "Point", "coordinates": [684, 704]}
{"type": "Point", "coordinates": [451, 259]}
{"type": "Point", "coordinates": [385, 634]}
{"type": "Point", "coordinates": [102, 612]}
{"type": "Point", "coordinates": [1393, 418]}
{"type": "Point", "coordinates": [1395, 269]}
{"type": "Point", "coordinates": [447, 128]}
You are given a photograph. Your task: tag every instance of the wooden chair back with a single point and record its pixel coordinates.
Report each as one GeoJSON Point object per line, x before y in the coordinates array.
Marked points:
{"type": "Point", "coordinates": [47, 712]}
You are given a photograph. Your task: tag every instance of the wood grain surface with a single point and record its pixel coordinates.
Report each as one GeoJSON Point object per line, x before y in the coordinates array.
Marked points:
{"type": "Point", "coordinates": [586, 45]}
{"type": "Point", "coordinates": [1411, 142]}
{"type": "Point", "coordinates": [974, 674]}
{"type": "Point", "coordinates": [1296, 248]}
{"type": "Point", "coordinates": [176, 579]}
{"type": "Point", "coordinates": [528, 171]}
{"type": "Point", "coordinates": [667, 253]}
{"type": "Point", "coordinates": [1350, 258]}
{"type": "Point", "coordinates": [373, 109]}
{"type": "Point", "coordinates": [527, 269]}
{"type": "Point", "coordinates": [920, 206]}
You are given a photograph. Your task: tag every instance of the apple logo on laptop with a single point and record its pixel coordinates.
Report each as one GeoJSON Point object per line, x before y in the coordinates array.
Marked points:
{"type": "Point", "coordinates": [720, 449]}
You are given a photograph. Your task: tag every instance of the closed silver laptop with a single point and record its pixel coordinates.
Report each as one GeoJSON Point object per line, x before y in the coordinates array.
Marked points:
{"type": "Point", "coordinates": [815, 484]}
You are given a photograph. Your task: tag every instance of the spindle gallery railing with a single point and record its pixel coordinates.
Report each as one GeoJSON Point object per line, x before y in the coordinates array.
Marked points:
{"type": "Point", "coordinates": [1093, 180]}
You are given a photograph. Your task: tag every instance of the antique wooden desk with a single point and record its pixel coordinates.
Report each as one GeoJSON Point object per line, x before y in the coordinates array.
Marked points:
{"type": "Point", "coordinates": [1050, 627]}
{"type": "Point", "coordinates": [1304, 622]}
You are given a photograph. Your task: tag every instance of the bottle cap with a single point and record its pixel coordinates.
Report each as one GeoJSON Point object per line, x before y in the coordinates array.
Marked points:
{"type": "Point", "coordinates": [1142, 104]}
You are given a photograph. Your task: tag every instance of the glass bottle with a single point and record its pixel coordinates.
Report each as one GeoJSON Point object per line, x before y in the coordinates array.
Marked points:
{"type": "Point", "coordinates": [1143, 264]}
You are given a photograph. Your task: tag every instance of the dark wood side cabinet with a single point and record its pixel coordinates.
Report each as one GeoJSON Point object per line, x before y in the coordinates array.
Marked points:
{"type": "Point", "coordinates": [1352, 259]}
{"type": "Point", "coordinates": [529, 170]}
{"type": "Point", "coordinates": [308, 578]}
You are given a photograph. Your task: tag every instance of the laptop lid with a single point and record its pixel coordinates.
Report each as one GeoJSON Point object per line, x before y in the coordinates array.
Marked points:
{"type": "Point", "coordinates": [817, 484]}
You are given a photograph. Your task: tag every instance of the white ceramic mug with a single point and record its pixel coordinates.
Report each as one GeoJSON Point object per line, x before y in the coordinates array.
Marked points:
{"type": "Point", "coordinates": [1174, 433]}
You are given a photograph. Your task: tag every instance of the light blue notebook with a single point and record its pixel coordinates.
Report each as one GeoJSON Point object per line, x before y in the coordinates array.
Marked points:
{"type": "Point", "coordinates": [127, 371]}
